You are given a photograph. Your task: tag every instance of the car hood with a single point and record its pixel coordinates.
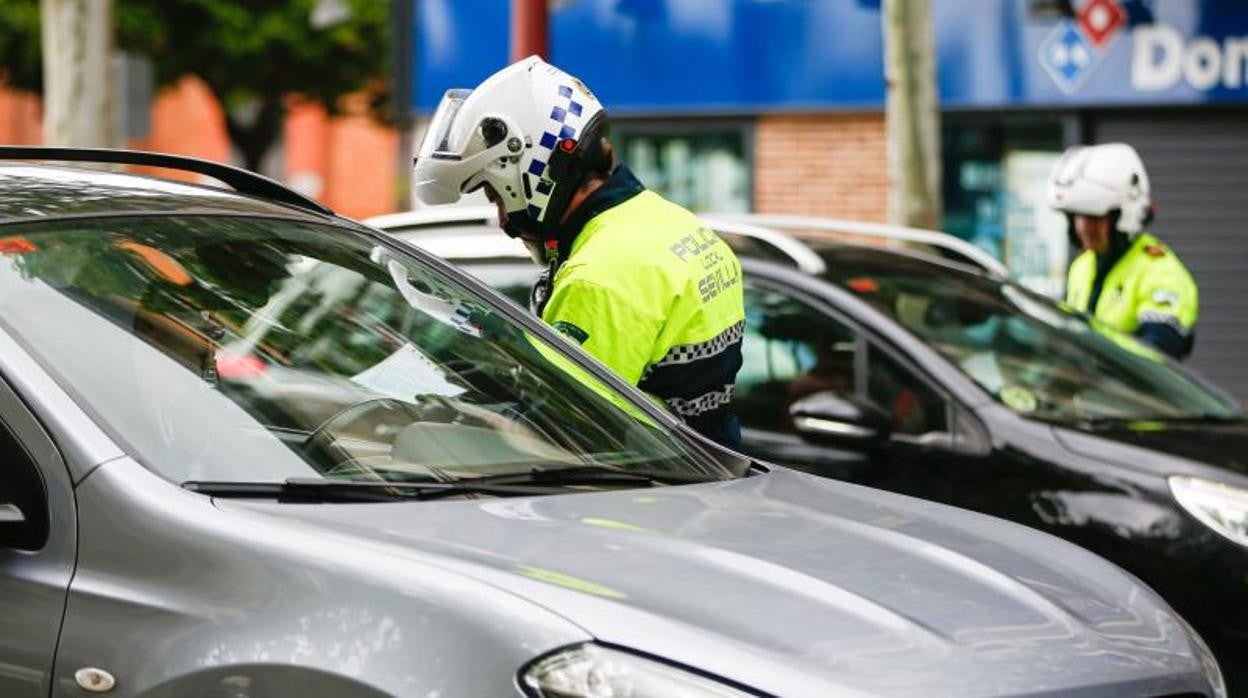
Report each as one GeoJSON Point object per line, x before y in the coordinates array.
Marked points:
{"type": "Point", "coordinates": [1221, 445]}
{"type": "Point", "coordinates": [795, 585]}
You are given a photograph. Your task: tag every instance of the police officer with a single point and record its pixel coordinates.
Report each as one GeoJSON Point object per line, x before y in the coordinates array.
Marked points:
{"type": "Point", "coordinates": [639, 282]}
{"type": "Point", "coordinates": [1124, 277]}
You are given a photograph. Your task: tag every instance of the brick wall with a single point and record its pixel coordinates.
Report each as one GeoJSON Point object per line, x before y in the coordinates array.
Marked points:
{"type": "Point", "coordinates": [825, 165]}
{"type": "Point", "coordinates": [186, 120]}
{"type": "Point", "coordinates": [348, 162]}
{"type": "Point", "coordinates": [21, 117]}
{"type": "Point", "coordinates": [361, 178]}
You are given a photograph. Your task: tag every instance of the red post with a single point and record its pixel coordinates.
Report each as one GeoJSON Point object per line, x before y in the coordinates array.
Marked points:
{"type": "Point", "coordinates": [529, 29]}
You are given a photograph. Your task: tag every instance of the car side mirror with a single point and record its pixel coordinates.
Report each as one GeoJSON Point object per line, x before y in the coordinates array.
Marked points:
{"type": "Point", "coordinates": [11, 514]}
{"type": "Point", "coordinates": [840, 420]}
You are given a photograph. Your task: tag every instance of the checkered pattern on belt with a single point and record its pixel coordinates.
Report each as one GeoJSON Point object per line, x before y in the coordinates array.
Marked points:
{"type": "Point", "coordinates": [1163, 319]}
{"type": "Point", "coordinates": [702, 403]}
{"type": "Point", "coordinates": [688, 353]}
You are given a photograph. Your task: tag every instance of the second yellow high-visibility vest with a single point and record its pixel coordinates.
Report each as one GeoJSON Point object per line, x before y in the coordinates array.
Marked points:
{"type": "Point", "coordinates": [1147, 285]}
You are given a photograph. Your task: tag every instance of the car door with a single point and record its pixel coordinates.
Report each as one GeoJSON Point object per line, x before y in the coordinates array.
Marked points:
{"type": "Point", "coordinates": [37, 538]}
{"type": "Point", "coordinates": [791, 350]}
{"type": "Point", "coordinates": [934, 445]}
{"type": "Point", "coordinates": [794, 349]}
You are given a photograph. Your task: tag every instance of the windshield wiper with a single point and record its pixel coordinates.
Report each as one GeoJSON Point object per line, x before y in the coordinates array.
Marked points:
{"type": "Point", "coordinates": [592, 475]}
{"type": "Point", "coordinates": [534, 481]}
{"type": "Point", "coordinates": [1220, 417]}
{"type": "Point", "coordinates": [1197, 419]}
{"type": "Point", "coordinates": [1108, 421]}
{"type": "Point", "coordinates": [327, 490]}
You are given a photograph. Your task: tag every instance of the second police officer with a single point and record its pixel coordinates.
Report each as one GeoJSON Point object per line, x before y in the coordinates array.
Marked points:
{"type": "Point", "coordinates": [1124, 277]}
{"type": "Point", "coordinates": [639, 282]}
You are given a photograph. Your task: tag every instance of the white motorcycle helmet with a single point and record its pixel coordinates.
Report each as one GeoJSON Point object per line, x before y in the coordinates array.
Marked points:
{"type": "Point", "coordinates": [1099, 180]}
{"type": "Point", "coordinates": [530, 131]}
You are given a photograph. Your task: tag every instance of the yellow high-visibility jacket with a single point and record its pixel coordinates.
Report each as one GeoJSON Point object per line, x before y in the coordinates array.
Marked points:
{"type": "Point", "coordinates": [653, 293]}
{"type": "Point", "coordinates": [1147, 293]}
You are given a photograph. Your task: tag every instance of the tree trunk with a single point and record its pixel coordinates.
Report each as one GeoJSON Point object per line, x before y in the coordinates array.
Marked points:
{"type": "Point", "coordinates": [912, 115]}
{"type": "Point", "coordinates": [78, 73]}
{"type": "Point", "coordinates": [254, 131]}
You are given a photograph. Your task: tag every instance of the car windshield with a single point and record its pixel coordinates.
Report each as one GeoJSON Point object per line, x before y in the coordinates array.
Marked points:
{"type": "Point", "coordinates": [1028, 352]}
{"type": "Point", "coordinates": [257, 350]}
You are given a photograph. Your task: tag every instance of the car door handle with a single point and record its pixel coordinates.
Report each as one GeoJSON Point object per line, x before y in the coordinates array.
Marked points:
{"type": "Point", "coordinates": [11, 513]}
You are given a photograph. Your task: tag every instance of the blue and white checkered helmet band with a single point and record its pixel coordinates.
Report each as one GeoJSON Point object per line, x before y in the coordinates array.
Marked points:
{"type": "Point", "coordinates": [569, 112]}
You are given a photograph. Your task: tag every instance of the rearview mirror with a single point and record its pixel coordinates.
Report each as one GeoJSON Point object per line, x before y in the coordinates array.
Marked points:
{"type": "Point", "coordinates": [11, 514]}
{"type": "Point", "coordinates": [840, 420]}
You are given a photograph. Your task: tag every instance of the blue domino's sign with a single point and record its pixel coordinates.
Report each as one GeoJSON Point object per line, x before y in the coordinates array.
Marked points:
{"type": "Point", "coordinates": [734, 56]}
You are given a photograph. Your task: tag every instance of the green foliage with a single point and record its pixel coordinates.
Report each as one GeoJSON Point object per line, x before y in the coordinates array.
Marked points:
{"type": "Point", "coordinates": [20, 65]}
{"type": "Point", "coordinates": [259, 50]}
{"type": "Point", "coordinates": [253, 54]}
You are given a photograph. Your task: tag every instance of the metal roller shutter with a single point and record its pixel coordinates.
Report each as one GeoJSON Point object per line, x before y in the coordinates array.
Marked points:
{"type": "Point", "coordinates": [1198, 164]}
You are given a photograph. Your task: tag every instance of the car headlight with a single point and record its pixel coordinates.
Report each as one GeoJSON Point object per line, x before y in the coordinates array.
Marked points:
{"type": "Point", "coordinates": [1221, 507]}
{"type": "Point", "coordinates": [591, 671]}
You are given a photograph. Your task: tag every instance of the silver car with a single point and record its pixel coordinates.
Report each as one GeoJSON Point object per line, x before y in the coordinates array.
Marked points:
{"type": "Point", "coordinates": [253, 449]}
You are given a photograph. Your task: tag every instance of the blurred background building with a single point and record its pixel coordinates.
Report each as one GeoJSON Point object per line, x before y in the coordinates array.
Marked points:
{"type": "Point", "coordinates": [347, 161]}
{"type": "Point", "coordinates": [778, 106]}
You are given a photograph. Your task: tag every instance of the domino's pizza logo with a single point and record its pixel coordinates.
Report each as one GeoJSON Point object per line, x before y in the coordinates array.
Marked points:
{"type": "Point", "coordinates": [1068, 57]}
{"type": "Point", "coordinates": [1073, 49]}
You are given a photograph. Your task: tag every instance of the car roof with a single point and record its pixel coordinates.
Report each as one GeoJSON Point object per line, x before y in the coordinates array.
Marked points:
{"type": "Point", "coordinates": [868, 233]}
{"type": "Point", "coordinates": [31, 191]}
{"type": "Point", "coordinates": [777, 237]}
{"type": "Point", "coordinates": [845, 260]}
{"type": "Point", "coordinates": [470, 233]}
{"type": "Point", "coordinates": [435, 217]}
{"type": "Point", "coordinates": [453, 232]}
{"type": "Point", "coordinates": [467, 243]}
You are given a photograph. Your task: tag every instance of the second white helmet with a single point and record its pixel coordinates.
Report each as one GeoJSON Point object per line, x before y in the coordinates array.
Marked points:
{"type": "Point", "coordinates": [530, 131]}
{"type": "Point", "coordinates": [1097, 180]}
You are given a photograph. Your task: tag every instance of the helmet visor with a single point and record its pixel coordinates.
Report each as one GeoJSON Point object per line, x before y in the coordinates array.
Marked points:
{"type": "Point", "coordinates": [437, 141]}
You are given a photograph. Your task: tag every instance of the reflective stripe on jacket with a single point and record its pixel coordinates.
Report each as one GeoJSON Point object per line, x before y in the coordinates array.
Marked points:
{"type": "Point", "coordinates": [654, 294]}
{"type": "Point", "coordinates": [1147, 293]}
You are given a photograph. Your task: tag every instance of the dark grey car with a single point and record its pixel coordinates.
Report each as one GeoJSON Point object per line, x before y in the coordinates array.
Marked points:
{"type": "Point", "coordinates": [253, 449]}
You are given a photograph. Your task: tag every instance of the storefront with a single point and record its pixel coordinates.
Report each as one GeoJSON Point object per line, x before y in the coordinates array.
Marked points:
{"type": "Point", "coordinates": [776, 105]}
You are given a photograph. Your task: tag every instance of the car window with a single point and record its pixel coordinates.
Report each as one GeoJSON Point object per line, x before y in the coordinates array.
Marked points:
{"type": "Point", "coordinates": [259, 350]}
{"type": "Point", "coordinates": [1034, 356]}
{"type": "Point", "coordinates": [792, 350]}
{"type": "Point", "coordinates": [789, 351]}
{"type": "Point", "coordinates": [916, 408]}
{"type": "Point", "coordinates": [21, 484]}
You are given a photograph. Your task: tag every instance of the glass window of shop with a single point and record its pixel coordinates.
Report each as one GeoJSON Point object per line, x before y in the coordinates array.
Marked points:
{"type": "Point", "coordinates": [994, 182]}
{"type": "Point", "coordinates": [702, 166]}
